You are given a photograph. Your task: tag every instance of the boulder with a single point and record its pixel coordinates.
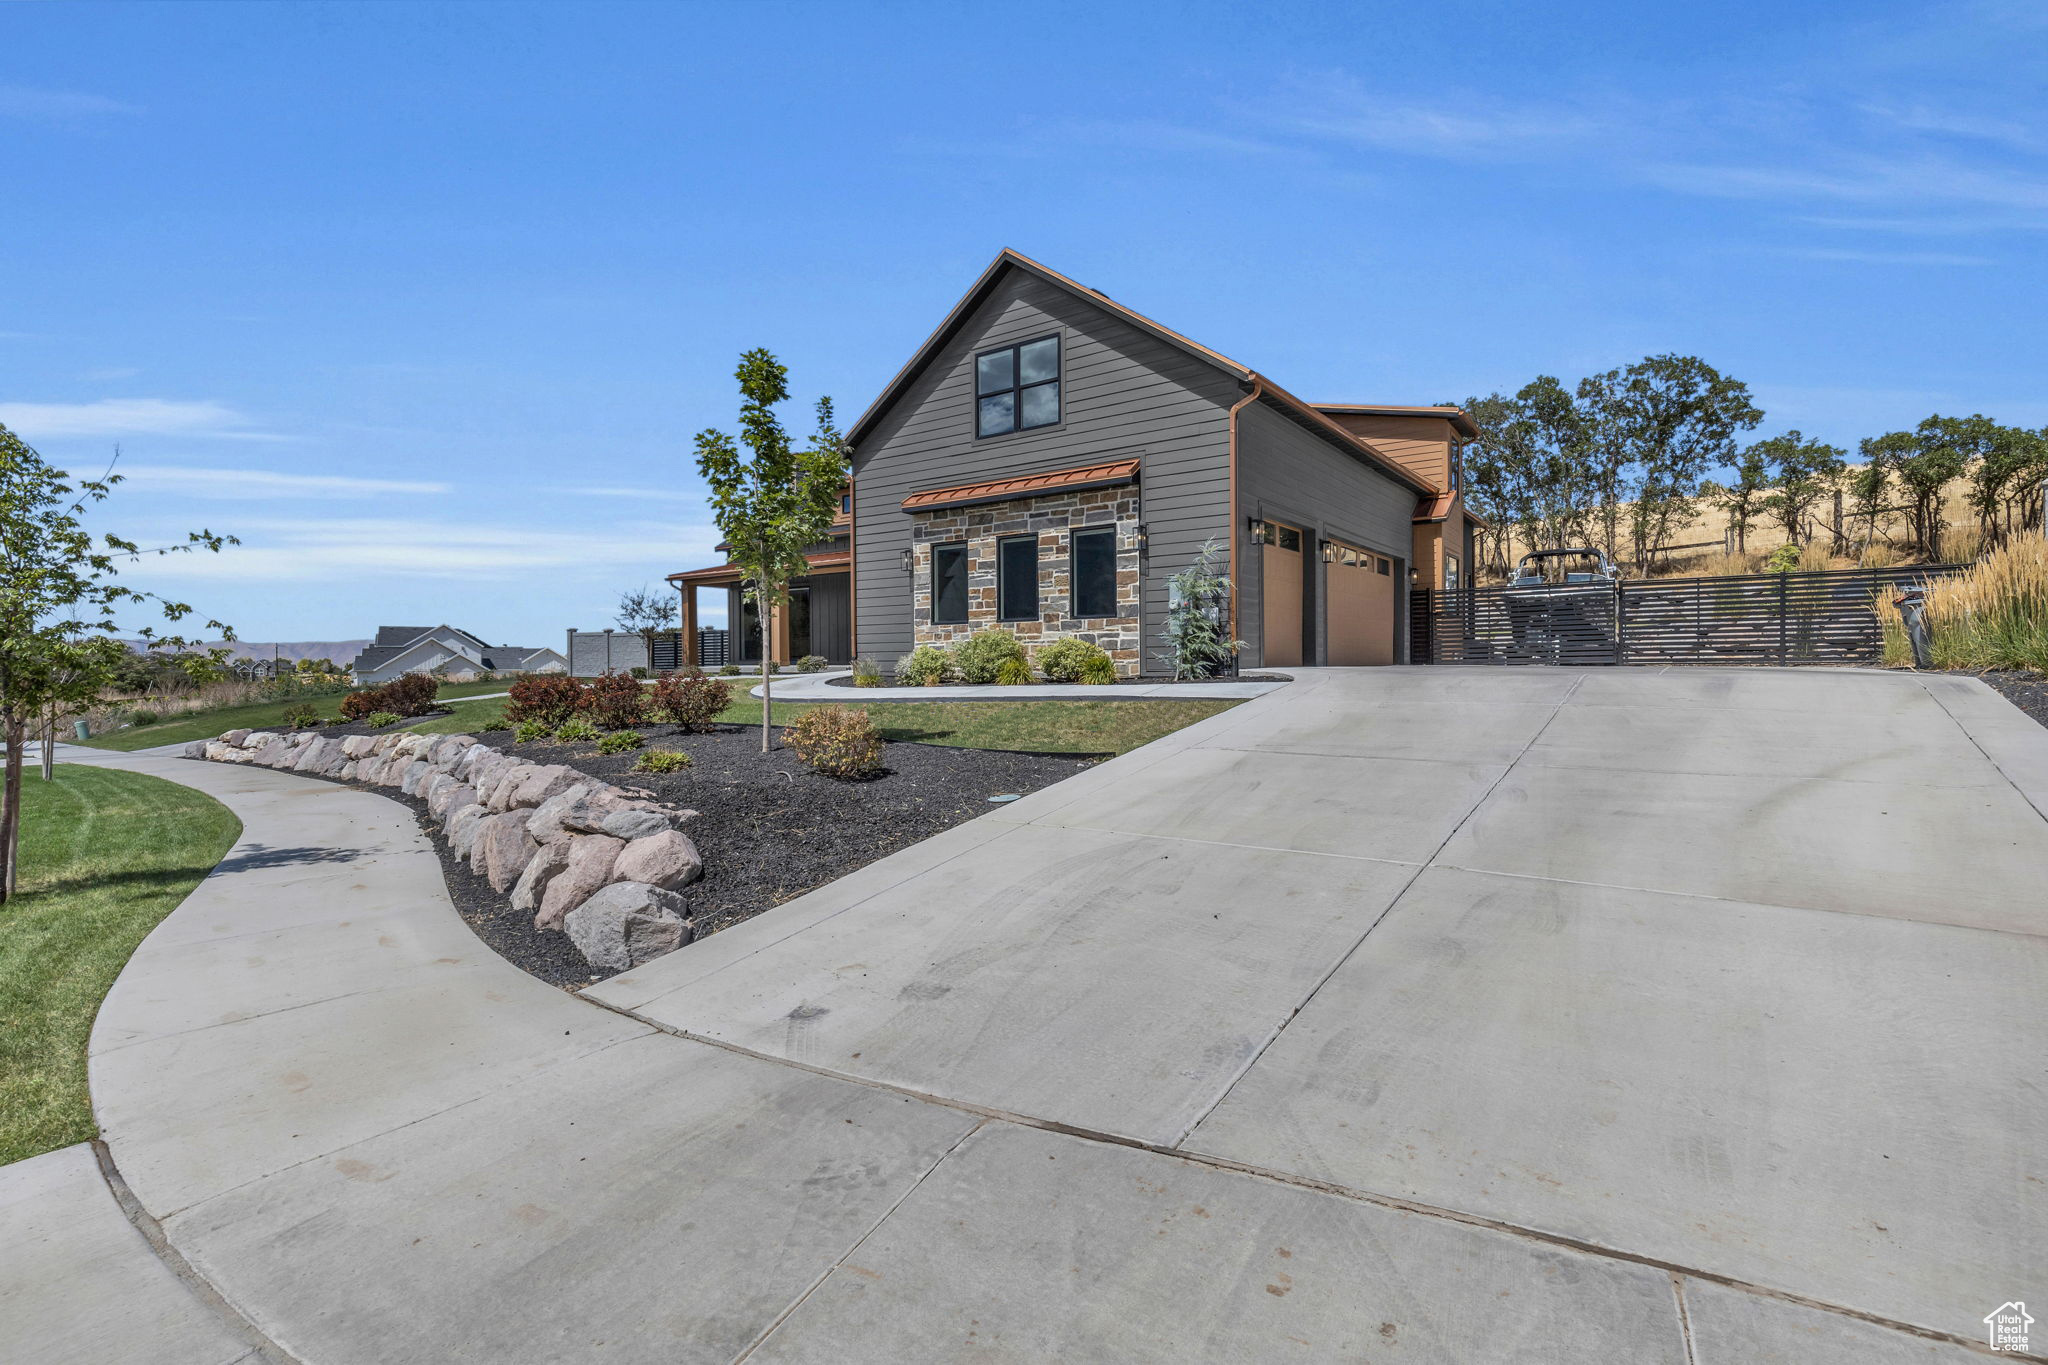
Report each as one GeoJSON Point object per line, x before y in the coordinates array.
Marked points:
{"type": "Point", "coordinates": [235, 737]}
{"type": "Point", "coordinates": [256, 739]}
{"type": "Point", "coordinates": [588, 867]}
{"type": "Point", "coordinates": [271, 752]}
{"type": "Point", "coordinates": [503, 848]}
{"type": "Point", "coordinates": [347, 772]}
{"type": "Point", "coordinates": [667, 860]}
{"type": "Point", "coordinates": [461, 826]}
{"type": "Point", "coordinates": [540, 784]}
{"type": "Point", "coordinates": [220, 751]}
{"type": "Point", "coordinates": [546, 822]}
{"type": "Point", "coordinates": [417, 771]}
{"type": "Point", "coordinates": [541, 869]}
{"type": "Point", "coordinates": [311, 756]}
{"type": "Point", "coordinates": [197, 748]}
{"type": "Point", "coordinates": [451, 798]}
{"type": "Point", "coordinates": [449, 749]}
{"type": "Point", "coordinates": [356, 746]}
{"type": "Point", "coordinates": [435, 784]}
{"type": "Point", "coordinates": [492, 774]}
{"type": "Point", "coordinates": [627, 924]}
{"type": "Point", "coordinates": [632, 823]}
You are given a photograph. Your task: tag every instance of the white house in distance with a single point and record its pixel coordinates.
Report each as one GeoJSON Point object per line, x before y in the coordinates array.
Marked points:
{"type": "Point", "coordinates": [399, 650]}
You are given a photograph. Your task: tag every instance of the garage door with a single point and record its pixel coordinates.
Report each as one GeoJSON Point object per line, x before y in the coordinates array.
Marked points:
{"type": "Point", "coordinates": [1280, 584]}
{"type": "Point", "coordinates": [1361, 597]}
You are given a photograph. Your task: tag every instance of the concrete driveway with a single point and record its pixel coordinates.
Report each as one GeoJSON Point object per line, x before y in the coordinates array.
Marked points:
{"type": "Point", "coordinates": [1403, 1014]}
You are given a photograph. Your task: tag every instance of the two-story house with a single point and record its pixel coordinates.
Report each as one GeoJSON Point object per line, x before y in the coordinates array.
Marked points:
{"type": "Point", "coordinates": [1050, 458]}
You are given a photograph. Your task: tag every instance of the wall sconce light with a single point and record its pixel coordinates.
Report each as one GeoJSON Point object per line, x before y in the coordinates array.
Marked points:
{"type": "Point", "coordinates": [1144, 540]}
{"type": "Point", "coordinates": [1329, 552]}
{"type": "Point", "coordinates": [1258, 531]}
{"type": "Point", "coordinates": [908, 559]}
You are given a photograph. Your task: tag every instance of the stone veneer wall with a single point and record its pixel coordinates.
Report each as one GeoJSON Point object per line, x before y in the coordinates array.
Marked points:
{"type": "Point", "coordinates": [1051, 516]}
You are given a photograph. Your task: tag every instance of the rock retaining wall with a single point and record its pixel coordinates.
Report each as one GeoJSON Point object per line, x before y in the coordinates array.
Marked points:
{"type": "Point", "coordinates": [601, 863]}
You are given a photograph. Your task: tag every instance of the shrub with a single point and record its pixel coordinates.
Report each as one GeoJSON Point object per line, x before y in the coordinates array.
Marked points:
{"type": "Point", "coordinates": [411, 695]}
{"type": "Point", "coordinates": [379, 719]}
{"type": "Point", "coordinates": [1784, 559]}
{"type": "Point", "coordinates": [356, 705]}
{"type": "Point", "coordinates": [838, 741]}
{"type": "Point", "coordinates": [865, 674]}
{"type": "Point", "coordinates": [1071, 659]}
{"type": "Point", "coordinates": [689, 699]}
{"type": "Point", "coordinates": [662, 761]}
{"type": "Point", "coordinates": [619, 741]}
{"type": "Point", "coordinates": [1014, 672]}
{"type": "Point", "coordinates": [811, 663]}
{"type": "Point", "coordinates": [549, 698]}
{"type": "Point", "coordinates": [980, 656]}
{"type": "Point", "coordinates": [300, 715]}
{"type": "Point", "coordinates": [616, 701]}
{"type": "Point", "coordinates": [576, 730]}
{"type": "Point", "coordinates": [1098, 669]}
{"type": "Point", "coordinates": [639, 671]}
{"type": "Point", "coordinates": [1197, 645]}
{"type": "Point", "coordinates": [926, 666]}
{"type": "Point", "coordinates": [530, 731]}
{"type": "Point", "coordinates": [730, 671]}
{"type": "Point", "coordinates": [144, 717]}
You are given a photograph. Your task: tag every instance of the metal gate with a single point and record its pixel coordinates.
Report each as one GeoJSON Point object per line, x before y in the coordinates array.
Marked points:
{"type": "Point", "coordinates": [1769, 618]}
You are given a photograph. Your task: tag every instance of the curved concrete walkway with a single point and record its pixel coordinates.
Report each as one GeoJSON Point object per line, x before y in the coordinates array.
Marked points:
{"type": "Point", "coordinates": [820, 687]}
{"type": "Point", "coordinates": [1439, 1014]}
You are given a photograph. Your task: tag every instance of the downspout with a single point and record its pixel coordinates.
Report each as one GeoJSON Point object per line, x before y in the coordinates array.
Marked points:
{"type": "Point", "coordinates": [1258, 387]}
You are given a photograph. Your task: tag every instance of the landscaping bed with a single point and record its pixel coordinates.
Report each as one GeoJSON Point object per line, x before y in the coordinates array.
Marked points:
{"type": "Point", "coordinates": [995, 690]}
{"type": "Point", "coordinates": [768, 827]}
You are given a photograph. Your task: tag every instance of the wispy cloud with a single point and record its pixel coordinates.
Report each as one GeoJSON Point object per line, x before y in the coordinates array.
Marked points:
{"type": "Point", "coordinates": [297, 550]}
{"type": "Point", "coordinates": [20, 101]}
{"type": "Point", "coordinates": [1465, 126]}
{"type": "Point", "coordinates": [637, 494]}
{"type": "Point", "coordinates": [1850, 255]}
{"type": "Point", "coordinates": [132, 417]}
{"type": "Point", "coordinates": [265, 484]}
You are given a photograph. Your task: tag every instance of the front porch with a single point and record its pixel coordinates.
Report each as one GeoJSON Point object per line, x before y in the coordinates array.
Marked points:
{"type": "Point", "coordinates": [817, 618]}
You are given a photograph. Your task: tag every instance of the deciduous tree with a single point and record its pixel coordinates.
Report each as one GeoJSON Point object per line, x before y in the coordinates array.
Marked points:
{"type": "Point", "coordinates": [774, 502]}
{"type": "Point", "coordinates": [1803, 473]}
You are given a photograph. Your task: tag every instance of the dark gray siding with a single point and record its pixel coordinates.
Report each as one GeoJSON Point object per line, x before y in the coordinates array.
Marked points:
{"type": "Point", "coordinates": [829, 634]}
{"type": "Point", "coordinates": [1288, 473]}
{"type": "Point", "coordinates": [1126, 393]}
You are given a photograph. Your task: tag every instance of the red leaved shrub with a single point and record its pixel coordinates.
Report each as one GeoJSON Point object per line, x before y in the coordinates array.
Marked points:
{"type": "Point", "coordinates": [550, 698]}
{"type": "Point", "coordinates": [410, 695]}
{"type": "Point", "coordinates": [356, 705]}
{"type": "Point", "coordinates": [617, 701]}
{"type": "Point", "coordinates": [688, 698]}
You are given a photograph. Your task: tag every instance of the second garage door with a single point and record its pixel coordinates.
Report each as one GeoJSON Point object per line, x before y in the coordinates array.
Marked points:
{"type": "Point", "coordinates": [1360, 588]}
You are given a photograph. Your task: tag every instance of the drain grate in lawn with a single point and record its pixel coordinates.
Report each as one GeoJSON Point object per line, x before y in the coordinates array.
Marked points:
{"type": "Point", "coordinates": [769, 828]}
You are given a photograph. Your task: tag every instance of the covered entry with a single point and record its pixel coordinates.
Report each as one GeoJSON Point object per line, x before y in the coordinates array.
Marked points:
{"type": "Point", "coordinates": [1280, 588]}
{"type": "Point", "coordinates": [1360, 594]}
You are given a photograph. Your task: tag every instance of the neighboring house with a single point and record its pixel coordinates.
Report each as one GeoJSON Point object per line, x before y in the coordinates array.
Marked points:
{"type": "Point", "coordinates": [1049, 459]}
{"type": "Point", "coordinates": [399, 650]}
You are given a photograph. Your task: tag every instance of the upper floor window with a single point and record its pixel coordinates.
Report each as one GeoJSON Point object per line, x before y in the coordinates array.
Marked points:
{"type": "Point", "coordinates": [1017, 388]}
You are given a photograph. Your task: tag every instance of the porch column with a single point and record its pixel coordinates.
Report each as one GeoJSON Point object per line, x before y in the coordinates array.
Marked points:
{"type": "Point", "coordinates": [778, 633]}
{"type": "Point", "coordinates": [689, 626]}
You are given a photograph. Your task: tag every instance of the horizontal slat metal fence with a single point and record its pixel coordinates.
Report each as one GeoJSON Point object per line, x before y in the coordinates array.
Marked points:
{"type": "Point", "coordinates": [1795, 618]}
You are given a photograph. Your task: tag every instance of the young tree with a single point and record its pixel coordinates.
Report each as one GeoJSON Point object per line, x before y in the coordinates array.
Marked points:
{"type": "Point", "coordinates": [1658, 427]}
{"type": "Point", "coordinates": [1743, 499]}
{"type": "Point", "coordinates": [774, 502]}
{"type": "Point", "coordinates": [58, 601]}
{"type": "Point", "coordinates": [1870, 485]}
{"type": "Point", "coordinates": [1198, 597]}
{"type": "Point", "coordinates": [1803, 472]}
{"type": "Point", "coordinates": [2005, 478]}
{"type": "Point", "coordinates": [646, 614]}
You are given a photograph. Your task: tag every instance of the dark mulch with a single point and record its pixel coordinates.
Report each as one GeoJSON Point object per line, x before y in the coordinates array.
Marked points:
{"type": "Point", "coordinates": [336, 729]}
{"type": "Point", "coordinates": [2028, 691]}
{"type": "Point", "coordinates": [996, 691]}
{"type": "Point", "coordinates": [769, 828]}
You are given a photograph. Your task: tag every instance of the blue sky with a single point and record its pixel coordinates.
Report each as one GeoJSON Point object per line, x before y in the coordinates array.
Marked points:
{"type": "Point", "coordinates": [426, 302]}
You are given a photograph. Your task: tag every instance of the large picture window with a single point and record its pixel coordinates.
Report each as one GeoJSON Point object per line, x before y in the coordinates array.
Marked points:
{"type": "Point", "coordinates": [1093, 572]}
{"type": "Point", "coordinates": [1017, 388]}
{"type": "Point", "coordinates": [1017, 578]}
{"type": "Point", "coordinates": [949, 585]}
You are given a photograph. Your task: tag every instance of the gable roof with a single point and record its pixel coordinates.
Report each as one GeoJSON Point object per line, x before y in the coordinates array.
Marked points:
{"type": "Point", "coordinates": [1449, 412]}
{"type": "Point", "coordinates": [1007, 260]}
{"type": "Point", "coordinates": [399, 637]}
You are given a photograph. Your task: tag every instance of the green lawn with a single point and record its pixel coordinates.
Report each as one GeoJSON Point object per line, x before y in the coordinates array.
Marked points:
{"type": "Point", "coordinates": [105, 855]}
{"type": "Point", "coordinates": [1051, 727]}
{"type": "Point", "coordinates": [260, 715]}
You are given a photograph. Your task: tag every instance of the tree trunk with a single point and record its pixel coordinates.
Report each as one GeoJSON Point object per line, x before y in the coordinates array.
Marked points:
{"type": "Point", "coordinates": [767, 690]}
{"type": "Point", "coordinates": [50, 745]}
{"type": "Point", "coordinates": [10, 804]}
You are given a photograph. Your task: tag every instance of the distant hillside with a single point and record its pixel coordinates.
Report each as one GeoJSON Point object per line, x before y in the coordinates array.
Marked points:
{"type": "Point", "coordinates": [340, 651]}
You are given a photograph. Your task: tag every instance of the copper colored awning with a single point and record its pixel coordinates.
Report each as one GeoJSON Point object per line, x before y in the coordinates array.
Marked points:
{"type": "Point", "coordinates": [825, 562]}
{"type": "Point", "coordinates": [1029, 486]}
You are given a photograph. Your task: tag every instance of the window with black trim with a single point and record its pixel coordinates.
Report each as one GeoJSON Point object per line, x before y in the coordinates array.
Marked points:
{"type": "Point", "coordinates": [1017, 388]}
{"type": "Point", "coordinates": [949, 585]}
{"type": "Point", "coordinates": [1017, 578]}
{"type": "Point", "coordinates": [1092, 573]}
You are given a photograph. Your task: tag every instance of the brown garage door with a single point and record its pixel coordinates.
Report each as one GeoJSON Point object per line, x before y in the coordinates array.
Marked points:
{"type": "Point", "coordinates": [1280, 585]}
{"type": "Point", "coordinates": [1361, 598]}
